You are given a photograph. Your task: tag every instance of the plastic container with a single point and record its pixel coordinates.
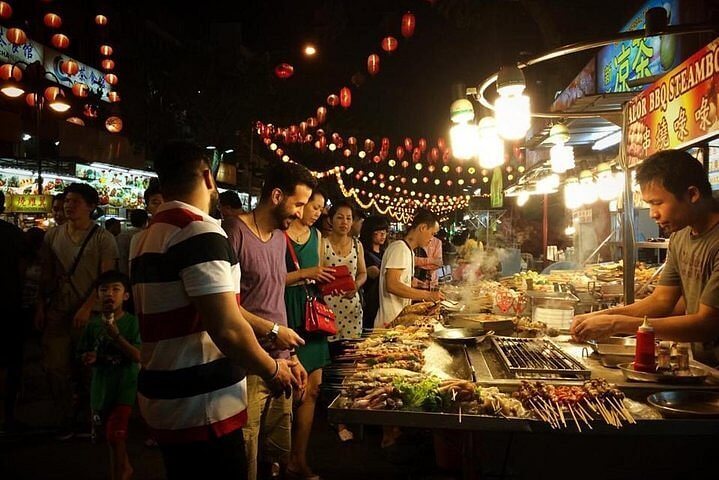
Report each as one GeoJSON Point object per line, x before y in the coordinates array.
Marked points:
{"type": "Point", "coordinates": [644, 360]}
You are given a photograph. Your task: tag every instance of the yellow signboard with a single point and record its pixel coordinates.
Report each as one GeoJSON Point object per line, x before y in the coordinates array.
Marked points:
{"type": "Point", "coordinates": [29, 204]}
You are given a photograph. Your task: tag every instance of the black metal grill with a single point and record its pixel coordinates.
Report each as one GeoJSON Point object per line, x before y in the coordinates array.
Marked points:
{"type": "Point", "coordinates": [537, 358]}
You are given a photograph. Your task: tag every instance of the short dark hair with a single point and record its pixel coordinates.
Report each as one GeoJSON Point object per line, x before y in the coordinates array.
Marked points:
{"type": "Point", "coordinates": [110, 222]}
{"type": "Point", "coordinates": [153, 188]}
{"type": "Point", "coordinates": [88, 193]}
{"type": "Point", "coordinates": [138, 217]}
{"type": "Point", "coordinates": [178, 166]}
{"type": "Point", "coordinates": [59, 196]}
{"type": "Point", "coordinates": [676, 171]}
{"type": "Point", "coordinates": [341, 204]}
{"type": "Point", "coordinates": [286, 177]}
{"type": "Point", "coordinates": [230, 198]}
{"type": "Point", "coordinates": [318, 191]}
{"type": "Point", "coordinates": [372, 224]}
{"type": "Point", "coordinates": [423, 217]}
{"type": "Point", "coordinates": [113, 276]}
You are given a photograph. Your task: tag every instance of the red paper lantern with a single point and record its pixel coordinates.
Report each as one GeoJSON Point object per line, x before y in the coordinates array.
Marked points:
{"type": "Point", "coordinates": [333, 100]}
{"type": "Point", "coordinates": [376, 159]}
{"type": "Point", "coordinates": [312, 122]}
{"type": "Point", "coordinates": [441, 143]}
{"type": "Point", "coordinates": [303, 128]}
{"type": "Point", "coordinates": [321, 115]}
{"type": "Point", "coordinates": [76, 121]}
{"type": "Point", "coordinates": [80, 90]}
{"type": "Point", "coordinates": [458, 169]}
{"type": "Point", "coordinates": [60, 40]}
{"type": "Point", "coordinates": [113, 97]}
{"type": "Point", "coordinates": [52, 20]}
{"type": "Point", "coordinates": [431, 168]}
{"type": "Point", "coordinates": [373, 64]}
{"type": "Point", "coordinates": [408, 24]}
{"type": "Point", "coordinates": [352, 142]}
{"type": "Point", "coordinates": [8, 69]}
{"type": "Point", "coordinates": [105, 50]}
{"type": "Point", "coordinates": [32, 99]}
{"type": "Point", "coordinates": [385, 143]}
{"type": "Point", "coordinates": [323, 142]}
{"type": "Point", "coordinates": [422, 144]}
{"type": "Point", "coordinates": [368, 145]}
{"type": "Point", "coordinates": [113, 124]}
{"type": "Point", "coordinates": [16, 36]}
{"type": "Point", "coordinates": [69, 67]}
{"type": "Point", "coordinates": [449, 183]}
{"type": "Point", "coordinates": [90, 110]}
{"type": "Point", "coordinates": [389, 44]}
{"type": "Point", "coordinates": [403, 180]}
{"type": "Point", "coordinates": [320, 132]}
{"type": "Point", "coordinates": [284, 71]}
{"type": "Point", "coordinates": [108, 64]}
{"type": "Point", "coordinates": [111, 78]}
{"type": "Point", "coordinates": [5, 10]}
{"type": "Point", "coordinates": [416, 154]}
{"type": "Point", "coordinates": [434, 154]}
{"type": "Point", "coordinates": [345, 97]}
{"type": "Point", "coordinates": [405, 164]}
{"type": "Point", "coordinates": [408, 144]}
{"type": "Point", "coordinates": [100, 20]}
{"type": "Point", "coordinates": [399, 152]}
{"type": "Point", "coordinates": [51, 93]}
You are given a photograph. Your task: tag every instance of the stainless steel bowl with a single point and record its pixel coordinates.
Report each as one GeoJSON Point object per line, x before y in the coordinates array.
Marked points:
{"type": "Point", "coordinates": [461, 335]}
{"type": "Point", "coordinates": [686, 403]}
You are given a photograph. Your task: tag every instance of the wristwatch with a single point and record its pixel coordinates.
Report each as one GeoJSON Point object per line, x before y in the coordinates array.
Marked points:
{"type": "Point", "coordinates": [272, 336]}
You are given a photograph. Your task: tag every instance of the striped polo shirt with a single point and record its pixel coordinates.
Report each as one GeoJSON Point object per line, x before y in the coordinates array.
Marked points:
{"type": "Point", "coordinates": [187, 389]}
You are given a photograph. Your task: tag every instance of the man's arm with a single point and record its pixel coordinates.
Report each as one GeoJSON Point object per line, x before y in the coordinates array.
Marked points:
{"type": "Point", "coordinates": [395, 286]}
{"type": "Point", "coordinates": [234, 337]}
{"type": "Point", "coordinates": [286, 337]}
{"type": "Point", "coordinates": [660, 303]}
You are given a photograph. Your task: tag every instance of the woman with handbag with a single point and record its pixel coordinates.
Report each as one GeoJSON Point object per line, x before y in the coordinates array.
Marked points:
{"type": "Point", "coordinates": [303, 267]}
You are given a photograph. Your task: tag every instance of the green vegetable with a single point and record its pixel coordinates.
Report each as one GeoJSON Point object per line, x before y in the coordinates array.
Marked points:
{"type": "Point", "coordinates": [421, 396]}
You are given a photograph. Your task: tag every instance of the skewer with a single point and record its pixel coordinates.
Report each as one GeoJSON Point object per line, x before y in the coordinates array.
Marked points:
{"type": "Point", "coordinates": [574, 417]}
{"type": "Point", "coordinates": [585, 416]}
{"type": "Point", "coordinates": [550, 411]}
{"type": "Point", "coordinates": [617, 410]}
{"type": "Point", "coordinates": [561, 414]}
{"type": "Point", "coordinates": [536, 410]}
{"type": "Point", "coordinates": [625, 410]}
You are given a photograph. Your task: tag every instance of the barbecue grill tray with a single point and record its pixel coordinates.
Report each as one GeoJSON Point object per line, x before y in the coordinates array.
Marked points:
{"type": "Point", "coordinates": [537, 358]}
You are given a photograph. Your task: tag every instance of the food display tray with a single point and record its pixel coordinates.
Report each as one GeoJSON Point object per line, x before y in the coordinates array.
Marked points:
{"type": "Point", "coordinates": [697, 376]}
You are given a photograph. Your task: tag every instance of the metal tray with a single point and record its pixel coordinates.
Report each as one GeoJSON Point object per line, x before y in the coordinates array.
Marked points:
{"type": "Point", "coordinates": [686, 403]}
{"type": "Point", "coordinates": [460, 335]}
{"type": "Point", "coordinates": [698, 375]}
{"type": "Point", "coordinates": [614, 346]}
{"type": "Point", "coordinates": [485, 321]}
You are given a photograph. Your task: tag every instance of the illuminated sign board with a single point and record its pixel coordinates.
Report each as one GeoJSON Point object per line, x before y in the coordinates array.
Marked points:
{"type": "Point", "coordinates": [619, 63]}
{"type": "Point", "coordinates": [29, 203]}
{"type": "Point", "coordinates": [676, 111]}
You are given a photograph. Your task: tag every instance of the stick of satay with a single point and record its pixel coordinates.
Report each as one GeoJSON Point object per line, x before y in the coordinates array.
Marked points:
{"type": "Point", "coordinates": [561, 414]}
{"type": "Point", "coordinates": [574, 417]}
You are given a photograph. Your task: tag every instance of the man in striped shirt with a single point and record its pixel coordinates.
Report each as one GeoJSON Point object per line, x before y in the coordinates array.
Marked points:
{"type": "Point", "coordinates": [197, 346]}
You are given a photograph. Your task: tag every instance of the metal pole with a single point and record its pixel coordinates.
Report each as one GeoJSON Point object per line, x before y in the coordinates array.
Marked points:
{"type": "Point", "coordinates": [628, 247]}
{"type": "Point", "coordinates": [545, 226]}
{"type": "Point", "coordinates": [37, 143]}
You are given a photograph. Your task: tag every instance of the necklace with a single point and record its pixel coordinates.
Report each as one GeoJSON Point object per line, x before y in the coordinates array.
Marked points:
{"type": "Point", "coordinates": [300, 238]}
{"type": "Point", "coordinates": [344, 247]}
{"type": "Point", "coordinates": [259, 233]}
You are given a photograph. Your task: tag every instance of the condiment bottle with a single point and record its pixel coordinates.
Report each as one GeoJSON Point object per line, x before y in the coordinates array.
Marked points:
{"type": "Point", "coordinates": [644, 351]}
{"type": "Point", "coordinates": [683, 358]}
{"type": "Point", "coordinates": [664, 357]}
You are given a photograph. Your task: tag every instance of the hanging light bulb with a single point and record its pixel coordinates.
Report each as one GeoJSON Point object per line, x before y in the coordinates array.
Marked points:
{"type": "Point", "coordinates": [562, 158]}
{"type": "Point", "coordinates": [572, 193]}
{"type": "Point", "coordinates": [522, 199]}
{"type": "Point", "coordinates": [464, 138]}
{"type": "Point", "coordinates": [588, 189]}
{"type": "Point", "coordinates": [511, 109]}
{"type": "Point", "coordinates": [548, 183]}
{"type": "Point", "coordinates": [461, 111]}
{"type": "Point", "coordinates": [490, 147]}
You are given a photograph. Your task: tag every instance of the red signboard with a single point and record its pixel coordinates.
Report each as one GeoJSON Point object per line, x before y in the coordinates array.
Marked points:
{"type": "Point", "coordinates": [676, 111]}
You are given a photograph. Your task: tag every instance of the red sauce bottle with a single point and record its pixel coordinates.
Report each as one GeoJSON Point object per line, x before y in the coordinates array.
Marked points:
{"type": "Point", "coordinates": [644, 360]}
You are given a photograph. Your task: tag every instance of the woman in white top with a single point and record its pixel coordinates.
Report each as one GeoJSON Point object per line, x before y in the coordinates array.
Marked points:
{"type": "Point", "coordinates": [339, 248]}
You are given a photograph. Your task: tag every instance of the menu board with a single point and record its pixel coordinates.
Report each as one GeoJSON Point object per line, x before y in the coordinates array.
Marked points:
{"type": "Point", "coordinates": [117, 187]}
{"type": "Point", "coordinates": [24, 182]}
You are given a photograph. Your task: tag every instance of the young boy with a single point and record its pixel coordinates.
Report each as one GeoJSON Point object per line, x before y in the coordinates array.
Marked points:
{"type": "Point", "coordinates": [110, 345]}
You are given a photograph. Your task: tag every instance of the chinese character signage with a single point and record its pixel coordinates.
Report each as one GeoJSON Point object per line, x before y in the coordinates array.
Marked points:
{"type": "Point", "coordinates": [676, 111]}
{"type": "Point", "coordinates": [29, 203]}
{"type": "Point", "coordinates": [24, 182]}
{"type": "Point", "coordinates": [51, 60]}
{"type": "Point", "coordinates": [583, 84]}
{"type": "Point", "coordinates": [621, 62]}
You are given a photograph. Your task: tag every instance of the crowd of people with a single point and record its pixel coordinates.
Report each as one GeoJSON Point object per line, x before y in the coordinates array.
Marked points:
{"type": "Point", "coordinates": [197, 311]}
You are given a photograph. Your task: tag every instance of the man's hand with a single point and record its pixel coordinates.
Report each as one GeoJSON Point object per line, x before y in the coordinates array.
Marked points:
{"type": "Point", "coordinates": [89, 358]}
{"type": "Point", "coordinates": [319, 274]}
{"type": "Point", "coordinates": [284, 380]}
{"type": "Point", "coordinates": [300, 374]}
{"type": "Point", "coordinates": [594, 327]}
{"type": "Point", "coordinates": [435, 296]}
{"type": "Point", "coordinates": [81, 317]}
{"type": "Point", "coordinates": [287, 339]}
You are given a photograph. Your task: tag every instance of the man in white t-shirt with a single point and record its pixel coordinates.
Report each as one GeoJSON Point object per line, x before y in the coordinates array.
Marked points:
{"type": "Point", "coordinates": [395, 278]}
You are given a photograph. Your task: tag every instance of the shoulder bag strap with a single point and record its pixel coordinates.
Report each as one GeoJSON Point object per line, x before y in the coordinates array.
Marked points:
{"type": "Point", "coordinates": [82, 249]}
{"type": "Point", "coordinates": [291, 250]}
